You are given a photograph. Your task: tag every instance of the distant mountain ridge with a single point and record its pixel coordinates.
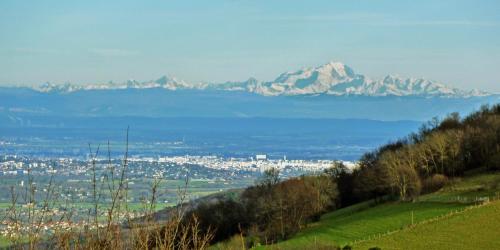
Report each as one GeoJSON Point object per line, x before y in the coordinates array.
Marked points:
{"type": "Point", "coordinates": [333, 78]}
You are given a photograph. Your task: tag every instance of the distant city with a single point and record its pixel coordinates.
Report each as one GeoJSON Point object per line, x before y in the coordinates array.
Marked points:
{"type": "Point", "coordinates": [207, 174]}
{"type": "Point", "coordinates": [151, 167]}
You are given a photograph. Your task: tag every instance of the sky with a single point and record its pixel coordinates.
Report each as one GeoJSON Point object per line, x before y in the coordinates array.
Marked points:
{"type": "Point", "coordinates": [455, 42]}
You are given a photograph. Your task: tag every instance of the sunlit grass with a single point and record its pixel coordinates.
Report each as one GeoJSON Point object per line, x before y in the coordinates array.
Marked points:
{"type": "Point", "coordinates": [476, 228]}
{"type": "Point", "coordinates": [365, 220]}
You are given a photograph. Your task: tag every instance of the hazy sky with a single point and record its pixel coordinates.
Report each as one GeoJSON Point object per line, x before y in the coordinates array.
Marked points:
{"type": "Point", "coordinates": [456, 42]}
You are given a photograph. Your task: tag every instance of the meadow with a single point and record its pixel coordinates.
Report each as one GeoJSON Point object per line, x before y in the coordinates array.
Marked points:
{"type": "Point", "coordinates": [364, 225]}
{"type": "Point", "coordinates": [475, 228]}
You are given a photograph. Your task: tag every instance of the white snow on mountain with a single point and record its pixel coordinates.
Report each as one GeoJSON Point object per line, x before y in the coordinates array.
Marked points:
{"type": "Point", "coordinates": [333, 78]}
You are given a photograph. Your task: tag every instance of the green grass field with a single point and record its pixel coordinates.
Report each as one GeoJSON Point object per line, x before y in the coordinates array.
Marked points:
{"type": "Point", "coordinates": [342, 227]}
{"type": "Point", "coordinates": [476, 228]}
{"type": "Point", "coordinates": [4, 242]}
{"type": "Point", "coordinates": [366, 221]}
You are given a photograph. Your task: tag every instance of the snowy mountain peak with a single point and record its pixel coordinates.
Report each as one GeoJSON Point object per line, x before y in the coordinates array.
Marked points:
{"type": "Point", "coordinates": [336, 69]}
{"type": "Point", "coordinates": [167, 82]}
{"type": "Point", "coordinates": [332, 78]}
{"type": "Point", "coordinates": [163, 80]}
{"type": "Point", "coordinates": [327, 73]}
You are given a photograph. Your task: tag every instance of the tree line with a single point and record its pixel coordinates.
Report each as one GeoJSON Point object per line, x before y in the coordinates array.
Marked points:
{"type": "Point", "coordinates": [424, 160]}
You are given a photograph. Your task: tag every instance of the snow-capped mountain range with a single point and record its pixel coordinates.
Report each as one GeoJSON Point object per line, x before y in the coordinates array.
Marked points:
{"type": "Point", "coordinates": [333, 78]}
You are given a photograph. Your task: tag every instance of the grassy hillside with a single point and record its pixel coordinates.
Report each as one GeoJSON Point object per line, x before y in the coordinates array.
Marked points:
{"type": "Point", "coordinates": [475, 228]}
{"type": "Point", "coordinates": [366, 221]}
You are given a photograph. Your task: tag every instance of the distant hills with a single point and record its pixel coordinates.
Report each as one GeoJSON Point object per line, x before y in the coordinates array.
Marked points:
{"type": "Point", "coordinates": [332, 90]}
{"type": "Point", "coordinates": [19, 104]}
{"type": "Point", "coordinates": [333, 78]}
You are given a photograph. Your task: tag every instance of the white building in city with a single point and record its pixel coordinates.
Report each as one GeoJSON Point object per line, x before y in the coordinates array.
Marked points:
{"type": "Point", "coordinates": [261, 157]}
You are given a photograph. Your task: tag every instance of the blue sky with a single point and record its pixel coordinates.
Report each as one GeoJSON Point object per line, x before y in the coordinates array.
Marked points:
{"type": "Point", "coordinates": [456, 42]}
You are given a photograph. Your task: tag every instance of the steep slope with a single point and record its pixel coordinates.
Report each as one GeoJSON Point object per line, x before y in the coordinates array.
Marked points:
{"type": "Point", "coordinates": [362, 221]}
{"type": "Point", "coordinates": [365, 221]}
{"type": "Point", "coordinates": [475, 228]}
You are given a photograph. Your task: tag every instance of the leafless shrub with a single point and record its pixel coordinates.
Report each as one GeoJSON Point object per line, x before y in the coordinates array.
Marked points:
{"type": "Point", "coordinates": [434, 183]}
{"type": "Point", "coordinates": [33, 210]}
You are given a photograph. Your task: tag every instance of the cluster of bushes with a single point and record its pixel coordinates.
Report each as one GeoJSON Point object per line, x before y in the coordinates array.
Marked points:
{"type": "Point", "coordinates": [274, 210]}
